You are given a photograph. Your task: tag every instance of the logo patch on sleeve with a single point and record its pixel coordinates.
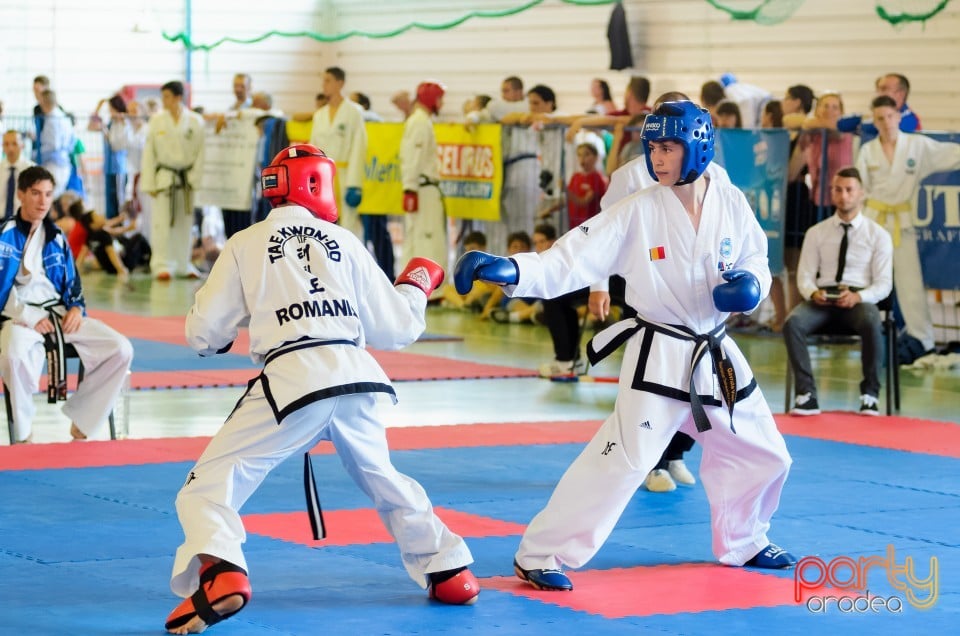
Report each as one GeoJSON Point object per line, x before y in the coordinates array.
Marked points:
{"type": "Point", "coordinates": [420, 277]}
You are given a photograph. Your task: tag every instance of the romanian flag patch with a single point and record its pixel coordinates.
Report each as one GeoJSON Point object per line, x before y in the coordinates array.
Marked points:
{"type": "Point", "coordinates": [657, 253]}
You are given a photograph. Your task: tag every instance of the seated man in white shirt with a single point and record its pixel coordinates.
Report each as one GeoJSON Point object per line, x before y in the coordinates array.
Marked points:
{"type": "Point", "coordinates": [846, 266]}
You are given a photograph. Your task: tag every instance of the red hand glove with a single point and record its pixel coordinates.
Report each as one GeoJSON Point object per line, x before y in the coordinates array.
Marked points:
{"type": "Point", "coordinates": [421, 272]}
{"type": "Point", "coordinates": [411, 202]}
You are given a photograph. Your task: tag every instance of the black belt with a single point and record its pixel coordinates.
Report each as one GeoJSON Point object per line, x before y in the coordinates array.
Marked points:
{"type": "Point", "coordinates": [181, 182]}
{"type": "Point", "coordinates": [303, 343]}
{"type": "Point", "coordinates": [703, 343]}
{"type": "Point", "coordinates": [55, 346]}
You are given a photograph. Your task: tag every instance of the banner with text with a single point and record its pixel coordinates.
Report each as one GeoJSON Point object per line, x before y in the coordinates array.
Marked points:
{"type": "Point", "coordinates": [937, 219]}
{"type": "Point", "coordinates": [471, 170]}
{"type": "Point", "coordinates": [756, 161]}
{"type": "Point", "coordinates": [228, 162]}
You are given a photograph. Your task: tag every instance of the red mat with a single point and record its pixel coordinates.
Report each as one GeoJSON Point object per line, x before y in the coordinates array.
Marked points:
{"type": "Point", "coordinates": [353, 527]}
{"type": "Point", "coordinates": [131, 452]}
{"type": "Point", "coordinates": [662, 589]}
{"type": "Point", "coordinates": [890, 432]}
{"type": "Point", "coordinates": [400, 366]}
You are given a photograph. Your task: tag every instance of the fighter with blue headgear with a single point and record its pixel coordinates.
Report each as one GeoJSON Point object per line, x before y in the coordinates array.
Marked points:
{"type": "Point", "coordinates": [687, 124]}
{"type": "Point", "coordinates": [691, 251]}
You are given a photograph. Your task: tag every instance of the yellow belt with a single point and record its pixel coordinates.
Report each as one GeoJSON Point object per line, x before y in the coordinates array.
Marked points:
{"type": "Point", "coordinates": [887, 210]}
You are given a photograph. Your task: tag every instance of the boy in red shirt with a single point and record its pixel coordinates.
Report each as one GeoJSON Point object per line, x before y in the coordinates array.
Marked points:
{"type": "Point", "coordinates": [586, 187]}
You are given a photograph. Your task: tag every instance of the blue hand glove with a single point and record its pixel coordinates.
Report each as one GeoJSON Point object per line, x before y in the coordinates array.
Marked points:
{"type": "Point", "coordinates": [741, 292]}
{"type": "Point", "coordinates": [482, 266]}
{"type": "Point", "coordinates": [353, 197]}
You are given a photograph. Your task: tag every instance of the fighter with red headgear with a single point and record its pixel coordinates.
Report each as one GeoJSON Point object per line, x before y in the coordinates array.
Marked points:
{"type": "Point", "coordinates": [425, 223]}
{"type": "Point", "coordinates": [313, 298]}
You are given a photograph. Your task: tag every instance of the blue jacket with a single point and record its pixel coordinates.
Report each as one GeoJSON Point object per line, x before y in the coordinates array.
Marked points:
{"type": "Point", "coordinates": [58, 262]}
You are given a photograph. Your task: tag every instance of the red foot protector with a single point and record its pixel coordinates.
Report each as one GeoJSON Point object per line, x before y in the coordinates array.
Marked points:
{"type": "Point", "coordinates": [460, 589]}
{"type": "Point", "coordinates": [662, 589]}
{"type": "Point", "coordinates": [217, 582]}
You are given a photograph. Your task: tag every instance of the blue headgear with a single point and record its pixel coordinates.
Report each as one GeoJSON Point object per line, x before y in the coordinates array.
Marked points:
{"type": "Point", "coordinates": [687, 124]}
{"type": "Point", "coordinates": [727, 79]}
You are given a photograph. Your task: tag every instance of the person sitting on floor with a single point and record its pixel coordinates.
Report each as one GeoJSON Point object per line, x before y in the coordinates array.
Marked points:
{"type": "Point", "coordinates": [846, 266]}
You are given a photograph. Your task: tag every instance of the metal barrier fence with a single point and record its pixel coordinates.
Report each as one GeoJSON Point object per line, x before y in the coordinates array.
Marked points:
{"type": "Point", "coordinates": [825, 152]}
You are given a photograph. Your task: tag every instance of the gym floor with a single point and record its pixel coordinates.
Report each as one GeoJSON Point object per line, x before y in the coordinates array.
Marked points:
{"type": "Point", "coordinates": [655, 574]}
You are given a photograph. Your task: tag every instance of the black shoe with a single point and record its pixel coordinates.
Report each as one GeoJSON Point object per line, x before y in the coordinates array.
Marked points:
{"type": "Point", "coordinates": [805, 404]}
{"type": "Point", "coordinates": [868, 405]}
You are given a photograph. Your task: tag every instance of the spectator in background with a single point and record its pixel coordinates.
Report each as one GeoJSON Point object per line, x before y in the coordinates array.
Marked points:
{"type": "Point", "coordinates": [14, 162]}
{"type": "Point", "coordinates": [772, 115]}
{"type": "Point", "coordinates": [602, 99]}
{"type": "Point", "coordinates": [402, 102]}
{"type": "Point", "coordinates": [376, 232]}
{"type": "Point", "coordinates": [896, 87]}
{"type": "Point", "coordinates": [825, 149]}
{"type": "Point", "coordinates": [797, 103]}
{"type": "Point", "coordinates": [711, 94]}
{"type": "Point", "coordinates": [242, 84]}
{"type": "Point", "coordinates": [56, 141]}
{"type": "Point", "coordinates": [748, 97]}
{"type": "Point", "coordinates": [117, 138]}
{"type": "Point", "coordinates": [172, 165]}
{"type": "Point", "coordinates": [892, 167]}
{"type": "Point", "coordinates": [339, 131]}
{"type": "Point", "coordinates": [846, 267]}
{"type": "Point", "coordinates": [635, 103]}
{"type": "Point", "coordinates": [727, 115]}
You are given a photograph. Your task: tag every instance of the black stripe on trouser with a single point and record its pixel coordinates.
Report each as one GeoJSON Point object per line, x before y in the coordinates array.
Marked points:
{"type": "Point", "coordinates": [314, 511]}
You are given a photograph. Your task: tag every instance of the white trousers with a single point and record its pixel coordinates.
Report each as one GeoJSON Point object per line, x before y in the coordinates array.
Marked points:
{"type": "Point", "coordinates": [106, 356]}
{"type": "Point", "coordinates": [251, 444]}
{"type": "Point", "coordinates": [425, 231]}
{"type": "Point", "coordinates": [743, 475]}
{"type": "Point", "coordinates": [911, 293]}
{"type": "Point", "coordinates": [170, 244]}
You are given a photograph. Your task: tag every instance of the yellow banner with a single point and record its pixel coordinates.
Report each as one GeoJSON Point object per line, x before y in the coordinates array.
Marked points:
{"type": "Point", "coordinates": [471, 170]}
{"type": "Point", "coordinates": [382, 188]}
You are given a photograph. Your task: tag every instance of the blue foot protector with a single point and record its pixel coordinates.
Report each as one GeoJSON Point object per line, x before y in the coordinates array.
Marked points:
{"type": "Point", "coordinates": [547, 580]}
{"type": "Point", "coordinates": [772, 557]}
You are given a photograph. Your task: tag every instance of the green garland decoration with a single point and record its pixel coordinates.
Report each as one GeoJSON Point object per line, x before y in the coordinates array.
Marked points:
{"type": "Point", "coordinates": [766, 12]}
{"type": "Point", "coordinates": [908, 17]}
{"type": "Point", "coordinates": [193, 46]}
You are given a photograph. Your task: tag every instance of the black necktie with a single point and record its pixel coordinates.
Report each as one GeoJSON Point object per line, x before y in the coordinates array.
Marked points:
{"type": "Point", "coordinates": [11, 186]}
{"type": "Point", "coordinates": [842, 260]}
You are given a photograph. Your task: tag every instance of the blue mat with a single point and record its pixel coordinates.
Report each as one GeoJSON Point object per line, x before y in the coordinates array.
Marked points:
{"type": "Point", "coordinates": [89, 550]}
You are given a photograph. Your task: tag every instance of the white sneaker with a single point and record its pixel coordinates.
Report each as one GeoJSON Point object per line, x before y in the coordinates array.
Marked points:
{"type": "Point", "coordinates": [680, 473]}
{"type": "Point", "coordinates": [659, 481]}
{"type": "Point", "coordinates": [557, 369]}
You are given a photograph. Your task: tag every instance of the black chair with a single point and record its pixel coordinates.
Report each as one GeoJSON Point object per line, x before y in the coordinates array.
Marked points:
{"type": "Point", "coordinates": [69, 352]}
{"type": "Point", "coordinates": [833, 335]}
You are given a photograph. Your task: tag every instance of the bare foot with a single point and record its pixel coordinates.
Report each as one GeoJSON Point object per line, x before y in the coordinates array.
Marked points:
{"type": "Point", "coordinates": [196, 625]}
{"type": "Point", "coordinates": [27, 440]}
{"type": "Point", "coordinates": [76, 433]}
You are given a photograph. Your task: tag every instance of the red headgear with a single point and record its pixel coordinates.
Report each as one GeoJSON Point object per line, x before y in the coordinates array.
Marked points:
{"type": "Point", "coordinates": [302, 175]}
{"type": "Point", "coordinates": [429, 94]}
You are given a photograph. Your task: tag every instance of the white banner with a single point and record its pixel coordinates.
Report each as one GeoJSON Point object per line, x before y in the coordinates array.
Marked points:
{"type": "Point", "coordinates": [227, 180]}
